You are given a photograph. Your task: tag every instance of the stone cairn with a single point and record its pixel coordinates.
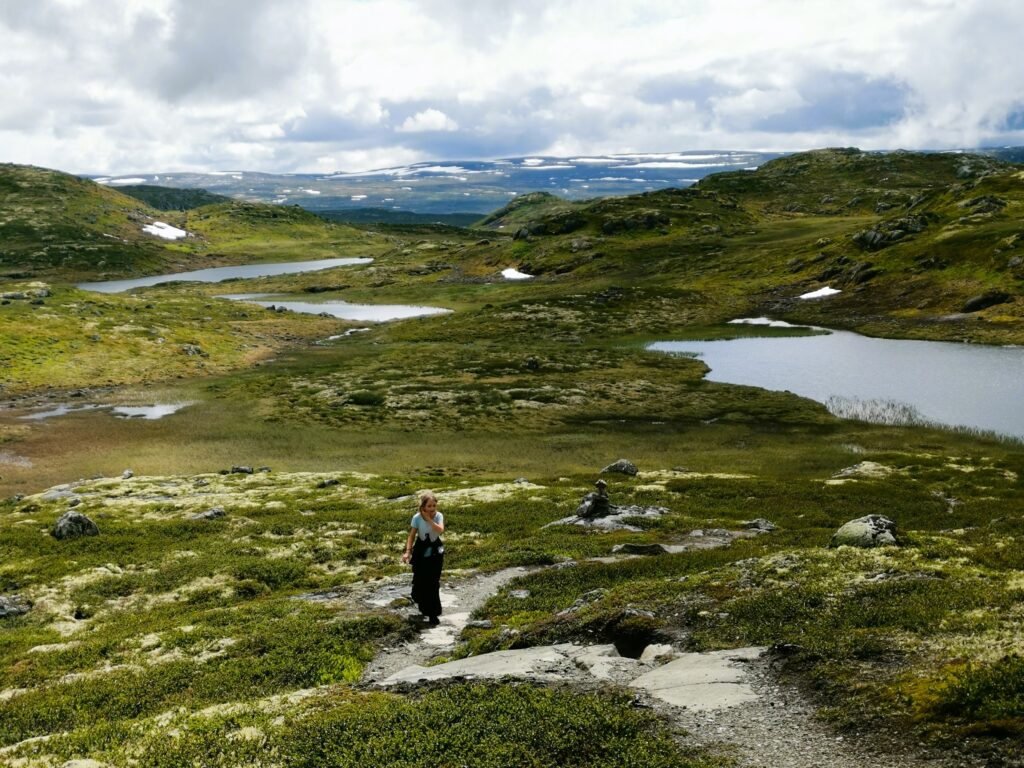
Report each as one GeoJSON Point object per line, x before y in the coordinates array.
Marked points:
{"type": "Point", "coordinates": [596, 503]}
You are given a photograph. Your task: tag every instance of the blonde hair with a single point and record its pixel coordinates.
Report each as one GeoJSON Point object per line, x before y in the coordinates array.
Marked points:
{"type": "Point", "coordinates": [425, 497]}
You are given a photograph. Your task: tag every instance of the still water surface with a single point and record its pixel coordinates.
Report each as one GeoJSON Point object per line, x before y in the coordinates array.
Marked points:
{"type": "Point", "coordinates": [948, 383]}
{"type": "Point", "coordinates": [372, 313]}
{"type": "Point", "coordinates": [217, 274]}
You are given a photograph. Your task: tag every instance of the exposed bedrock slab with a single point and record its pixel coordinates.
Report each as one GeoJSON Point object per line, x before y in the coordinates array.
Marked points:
{"type": "Point", "coordinates": [697, 681]}
{"type": "Point", "coordinates": [702, 681]}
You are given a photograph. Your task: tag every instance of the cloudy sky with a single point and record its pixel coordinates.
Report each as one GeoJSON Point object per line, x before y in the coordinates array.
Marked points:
{"type": "Point", "coordinates": [115, 86]}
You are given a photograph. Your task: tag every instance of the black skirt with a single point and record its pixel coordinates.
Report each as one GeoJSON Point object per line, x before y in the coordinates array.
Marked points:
{"type": "Point", "coordinates": [427, 562]}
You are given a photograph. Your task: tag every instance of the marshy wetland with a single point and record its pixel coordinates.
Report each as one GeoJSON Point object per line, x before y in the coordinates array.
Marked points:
{"type": "Point", "coordinates": [226, 612]}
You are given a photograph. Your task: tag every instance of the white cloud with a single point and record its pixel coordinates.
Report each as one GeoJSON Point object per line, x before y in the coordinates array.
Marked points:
{"type": "Point", "coordinates": [428, 120]}
{"type": "Point", "coordinates": [154, 85]}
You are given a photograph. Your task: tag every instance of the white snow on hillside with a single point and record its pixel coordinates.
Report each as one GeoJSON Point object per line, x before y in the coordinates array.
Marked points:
{"type": "Point", "coordinates": [164, 230]}
{"type": "Point", "coordinates": [820, 293]}
{"type": "Point", "coordinates": [514, 274]}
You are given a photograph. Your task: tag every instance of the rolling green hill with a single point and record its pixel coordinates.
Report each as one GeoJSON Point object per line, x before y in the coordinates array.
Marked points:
{"type": "Point", "coordinates": [171, 198]}
{"type": "Point", "coordinates": [62, 227]}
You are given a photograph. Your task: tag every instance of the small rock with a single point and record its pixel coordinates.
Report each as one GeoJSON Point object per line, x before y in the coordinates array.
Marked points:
{"type": "Point", "coordinates": [479, 624]}
{"type": "Point", "coordinates": [328, 483]}
{"type": "Point", "coordinates": [631, 548]}
{"type": "Point", "coordinates": [211, 514]}
{"type": "Point", "coordinates": [12, 606]}
{"type": "Point", "coordinates": [865, 532]}
{"type": "Point", "coordinates": [656, 651]}
{"type": "Point", "coordinates": [193, 350]}
{"type": "Point", "coordinates": [71, 525]}
{"type": "Point", "coordinates": [241, 470]}
{"type": "Point", "coordinates": [200, 482]}
{"type": "Point", "coordinates": [521, 481]}
{"type": "Point", "coordinates": [760, 525]}
{"type": "Point", "coordinates": [519, 594]}
{"type": "Point", "coordinates": [264, 470]}
{"type": "Point", "coordinates": [622, 466]}
{"type": "Point", "coordinates": [127, 475]}
{"type": "Point", "coordinates": [74, 502]}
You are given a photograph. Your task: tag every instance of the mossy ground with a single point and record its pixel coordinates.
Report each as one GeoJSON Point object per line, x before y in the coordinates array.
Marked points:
{"type": "Point", "coordinates": [165, 626]}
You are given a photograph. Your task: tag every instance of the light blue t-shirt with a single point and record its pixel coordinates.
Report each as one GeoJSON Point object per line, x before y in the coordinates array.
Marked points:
{"type": "Point", "coordinates": [424, 531]}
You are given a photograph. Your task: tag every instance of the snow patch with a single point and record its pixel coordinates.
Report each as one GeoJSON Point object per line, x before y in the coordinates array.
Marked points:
{"type": "Point", "coordinates": [514, 274]}
{"type": "Point", "coordinates": [820, 293]}
{"type": "Point", "coordinates": [164, 230]}
{"type": "Point", "coordinates": [764, 321]}
{"type": "Point", "coordinates": [132, 180]}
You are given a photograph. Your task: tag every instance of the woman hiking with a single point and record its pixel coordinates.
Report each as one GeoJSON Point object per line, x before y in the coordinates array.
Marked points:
{"type": "Point", "coordinates": [425, 549]}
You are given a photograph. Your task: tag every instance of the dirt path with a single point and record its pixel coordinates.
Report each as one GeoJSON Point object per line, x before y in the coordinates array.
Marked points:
{"type": "Point", "coordinates": [729, 701]}
{"type": "Point", "coordinates": [460, 596]}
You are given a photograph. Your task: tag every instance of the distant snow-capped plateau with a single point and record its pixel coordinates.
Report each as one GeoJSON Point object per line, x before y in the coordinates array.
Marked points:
{"type": "Point", "coordinates": [464, 186]}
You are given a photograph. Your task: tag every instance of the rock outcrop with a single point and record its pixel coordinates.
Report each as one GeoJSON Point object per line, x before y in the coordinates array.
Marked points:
{"type": "Point", "coordinates": [985, 300]}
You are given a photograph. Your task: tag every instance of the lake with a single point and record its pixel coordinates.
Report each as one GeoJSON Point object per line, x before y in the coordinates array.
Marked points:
{"type": "Point", "coordinates": [886, 380]}
{"type": "Point", "coordinates": [373, 313]}
{"type": "Point", "coordinates": [217, 274]}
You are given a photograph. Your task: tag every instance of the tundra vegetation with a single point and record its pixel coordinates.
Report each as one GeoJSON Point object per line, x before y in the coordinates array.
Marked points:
{"type": "Point", "coordinates": [173, 639]}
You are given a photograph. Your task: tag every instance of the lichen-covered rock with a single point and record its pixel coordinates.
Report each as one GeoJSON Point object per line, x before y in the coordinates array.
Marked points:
{"type": "Point", "coordinates": [622, 466]}
{"type": "Point", "coordinates": [211, 514]}
{"type": "Point", "coordinates": [865, 532]}
{"type": "Point", "coordinates": [760, 525]}
{"type": "Point", "coordinates": [12, 606]}
{"type": "Point", "coordinates": [71, 525]}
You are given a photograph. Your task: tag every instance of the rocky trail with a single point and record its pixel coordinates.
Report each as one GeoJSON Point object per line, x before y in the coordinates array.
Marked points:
{"type": "Point", "coordinates": [730, 701]}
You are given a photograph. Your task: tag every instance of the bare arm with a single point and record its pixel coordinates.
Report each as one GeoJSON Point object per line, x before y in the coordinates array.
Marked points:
{"type": "Point", "coordinates": [408, 545]}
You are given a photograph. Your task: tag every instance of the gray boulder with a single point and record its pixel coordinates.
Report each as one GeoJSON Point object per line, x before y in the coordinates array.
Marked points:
{"type": "Point", "coordinates": [127, 475]}
{"type": "Point", "coordinates": [12, 606]}
{"type": "Point", "coordinates": [622, 466]}
{"type": "Point", "coordinates": [760, 525]}
{"type": "Point", "coordinates": [239, 470]}
{"type": "Point", "coordinates": [865, 532]}
{"type": "Point", "coordinates": [71, 525]}
{"type": "Point", "coordinates": [211, 514]}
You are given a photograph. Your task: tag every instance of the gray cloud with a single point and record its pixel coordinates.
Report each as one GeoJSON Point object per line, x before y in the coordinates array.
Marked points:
{"type": "Point", "coordinates": [228, 48]}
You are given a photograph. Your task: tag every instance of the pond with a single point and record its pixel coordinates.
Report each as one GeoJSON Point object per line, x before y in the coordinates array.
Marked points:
{"type": "Point", "coordinates": [217, 274]}
{"type": "Point", "coordinates": [371, 313]}
{"type": "Point", "coordinates": [882, 380]}
{"type": "Point", "coordinates": [146, 412]}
